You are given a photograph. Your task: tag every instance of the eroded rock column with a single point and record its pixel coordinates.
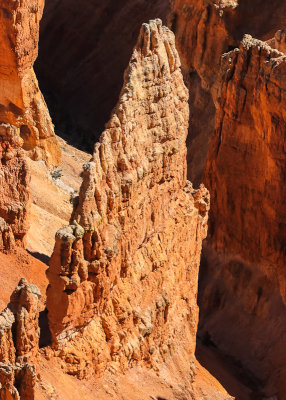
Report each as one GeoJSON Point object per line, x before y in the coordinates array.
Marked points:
{"type": "Point", "coordinates": [19, 343]}
{"type": "Point", "coordinates": [123, 276]}
{"type": "Point", "coordinates": [15, 195]}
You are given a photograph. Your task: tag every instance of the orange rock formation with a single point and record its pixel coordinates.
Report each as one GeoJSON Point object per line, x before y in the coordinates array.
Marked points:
{"type": "Point", "coordinates": [19, 338]}
{"type": "Point", "coordinates": [21, 102]}
{"type": "Point", "coordinates": [14, 189]}
{"type": "Point", "coordinates": [123, 277]}
{"type": "Point", "coordinates": [242, 297]}
{"type": "Point", "coordinates": [204, 31]}
{"type": "Point", "coordinates": [245, 175]}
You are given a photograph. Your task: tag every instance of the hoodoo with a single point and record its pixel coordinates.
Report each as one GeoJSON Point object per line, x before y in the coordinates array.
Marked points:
{"type": "Point", "coordinates": [123, 276]}
{"type": "Point", "coordinates": [19, 338]}
{"type": "Point", "coordinates": [15, 195]}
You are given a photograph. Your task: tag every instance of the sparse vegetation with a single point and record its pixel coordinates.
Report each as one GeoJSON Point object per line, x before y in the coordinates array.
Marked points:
{"type": "Point", "coordinates": [56, 174]}
{"type": "Point", "coordinates": [73, 196]}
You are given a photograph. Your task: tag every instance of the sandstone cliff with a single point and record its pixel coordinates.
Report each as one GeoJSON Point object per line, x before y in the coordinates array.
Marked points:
{"type": "Point", "coordinates": [21, 102]}
{"type": "Point", "coordinates": [82, 73]}
{"type": "Point", "coordinates": [123, 276]}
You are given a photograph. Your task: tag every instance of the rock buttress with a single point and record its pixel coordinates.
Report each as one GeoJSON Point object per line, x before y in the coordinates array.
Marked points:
{"type": "Point", "coordinates": [21, 102]}
{"type": "Point", "coordinates": [19, 343]}
{"type": "Point", "coordinates": [244, 286]}
{"type": "Point", "coordinates": [123, 276]}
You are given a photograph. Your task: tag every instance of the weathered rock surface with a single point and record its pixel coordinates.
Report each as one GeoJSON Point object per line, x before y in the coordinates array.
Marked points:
{"type": "Point", "coordinates": [7, 240]}
{"type": "Point", "coordinates": [204, 31]}
{"type": "Point", "coordinates": [21, 102]}
{"type": "Point", "coordinates": [239, 103]}
{"type": "Point", "coordinates": [14, 189]}
{"type": "Point", "coordinates": [21, 375]}
{"type": "Point", "coordinates": [123, 277]}
{"type": "Point", "coordinates": [82, 74]}
{"type": "Point", "coordinates": [19, 343]}
{"type": "Point", "coordinates": [244, 284]}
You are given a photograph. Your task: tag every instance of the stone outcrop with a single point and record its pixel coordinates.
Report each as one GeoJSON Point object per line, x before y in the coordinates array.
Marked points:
{"type": "Point", "coordinates": [14, 189]}
{"type": "Point", "coordinates": [21, 102]}
{"type": "Point", "coordinates": [23, 376]}
{"type": "Point", "coordinates": [245, 174]}
{"type": "Point", "coordinates": [7, 240]}
{"type": "Point", "coordinates": [19, 343]}
{"type": "Point", "coordinates": [123, 276]}
{"type": "Point", "coordinates": [83, 80]}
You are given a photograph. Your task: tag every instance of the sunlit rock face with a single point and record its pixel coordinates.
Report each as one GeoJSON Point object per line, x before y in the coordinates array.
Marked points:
{"type": "Point", "coordinates": [19, 343]}
{"type": "Point", "coordinates": [21, 102]}
{"type": "Point", "coordinates": [14, 189]}
{"type": "Point", "coordinates": [123, 276]}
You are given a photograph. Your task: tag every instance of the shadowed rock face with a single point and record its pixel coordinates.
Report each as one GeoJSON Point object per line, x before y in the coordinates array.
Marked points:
{"type": "Point", "coordinates": [19, 343]}
{"type": "Point", "coordinates": [21, 102]}
{"type": "Point", "coordinates": [239, 148]}
{"type": "Point", "coordinates": [204, 31]}
{"type": "Point", "coordinates": [123, 276]}
{"type": "Point", "coordinates": [82, 57]}
{"type": "Point", "coordinates": [245, 173]}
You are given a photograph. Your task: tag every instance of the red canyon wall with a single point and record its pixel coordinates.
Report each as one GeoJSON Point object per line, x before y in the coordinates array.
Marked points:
{"type": "Point", "coordinates": [123, 277]}
{"type": "Point", "coordinates": [245, 173]}
{"type": "Point", "coordinates": [205, 29]}
{"type": "Point", "coordinates": [242, 296]}
{"type": "Point", "coordinates": [21, 102]}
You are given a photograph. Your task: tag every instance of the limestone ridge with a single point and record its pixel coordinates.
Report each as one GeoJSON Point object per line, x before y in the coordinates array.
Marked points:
{"type": "Point", "coordinates": [21, 102]}
{"type": "Point", "coordinates": [19, 338]}
{"type": "Point", "coordinates": [123, 276]}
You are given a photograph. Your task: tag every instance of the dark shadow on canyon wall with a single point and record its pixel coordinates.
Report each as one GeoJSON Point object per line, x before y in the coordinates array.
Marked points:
{"type": "Point", "coordinates": [83, 51]}
{"type": "Point", "coordinates": [241, 313]}
{"type": "Point", "coordinates": [45, 333]}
